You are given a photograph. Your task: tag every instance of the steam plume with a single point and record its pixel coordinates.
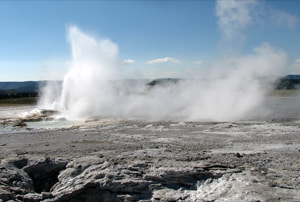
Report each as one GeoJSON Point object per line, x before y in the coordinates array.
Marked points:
{"type": "Point", "coordinates": [93, 86]}
{"type": "Point", "coordinates": [234, 16]}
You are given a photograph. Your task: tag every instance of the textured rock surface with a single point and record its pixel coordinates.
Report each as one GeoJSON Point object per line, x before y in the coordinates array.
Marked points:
{"type": "Point", "coordinates": [110, 160]}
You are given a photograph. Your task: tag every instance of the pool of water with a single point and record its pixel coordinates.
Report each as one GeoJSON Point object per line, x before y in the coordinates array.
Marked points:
{"type": "Point", "coordinates": [53, 124]}
{"type": "Point", "coordinates": [14, 111]}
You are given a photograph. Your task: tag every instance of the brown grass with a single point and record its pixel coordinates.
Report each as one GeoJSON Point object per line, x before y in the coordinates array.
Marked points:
{"type": "Point", "coordinates": [19, 101]}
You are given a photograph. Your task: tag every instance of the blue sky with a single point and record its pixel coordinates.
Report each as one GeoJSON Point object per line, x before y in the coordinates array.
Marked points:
{"type": "Point", "coordinates": [157, 37]}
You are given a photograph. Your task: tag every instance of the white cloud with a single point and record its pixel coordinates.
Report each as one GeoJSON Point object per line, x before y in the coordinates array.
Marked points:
{"type": "Point", "coordinates": [128, 61]}
{"type": "Point", "coordinates": [164, 60]}
{"type": "Point", "coordinates": [296, 64]}
{"type": "Point", "coordinates": [198, 62]}
{"type": "Point", "coordinates": [282, 18]}
{"type": "Point", "coordinates": [234, 16]}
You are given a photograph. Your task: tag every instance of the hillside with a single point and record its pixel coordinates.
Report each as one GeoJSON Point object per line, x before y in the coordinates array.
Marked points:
{"type": "Point", "coordinates": [26, 86]}
{"type": "Point", "coordinates": [19, 89]}
{"type": "Point", "coordinates": [289, 82]}
{"type": "Point", "coordinates": [31, 88]}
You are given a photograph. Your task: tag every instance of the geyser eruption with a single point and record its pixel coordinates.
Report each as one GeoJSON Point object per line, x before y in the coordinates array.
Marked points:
{"type": "Point", "coordinates": [94, 87]}
{"type": "Point", "coordinates": [85, 87]}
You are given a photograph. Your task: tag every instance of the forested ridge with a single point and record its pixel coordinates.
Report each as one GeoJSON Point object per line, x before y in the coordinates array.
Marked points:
{"type": "Point", "coordinates": [31, 88]}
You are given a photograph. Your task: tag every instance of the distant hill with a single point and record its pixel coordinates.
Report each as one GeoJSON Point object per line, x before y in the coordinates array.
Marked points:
{"type": "Point", "coordinates": [165, 81]}
{"type": "Point", "coordinates": [19, 89]}
{"type": "Point", "coordinates": [288, 82]}
{"type": "Point", "coordinates": [31, 88]}
{"type": "Point", "coordinates": [26, 86]}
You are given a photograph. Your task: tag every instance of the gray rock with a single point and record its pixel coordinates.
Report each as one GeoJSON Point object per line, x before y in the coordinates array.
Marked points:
{"type": "Point", "coordinates": [44, 173]}
{"type": "Point", "coordinates": [32, 197]}
{"type": "Point", "coordinates": [5, 194]}
{"type": "Point", "coordinates": [127, 161]}
{"type": "Point", "coordinates": [47, 195]}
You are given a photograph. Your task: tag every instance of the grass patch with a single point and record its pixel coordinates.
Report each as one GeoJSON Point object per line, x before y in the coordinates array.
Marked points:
{"type": "Point", "coordinates": [285, 93]}
{"type": "Point", "coordinates": [19, 101]}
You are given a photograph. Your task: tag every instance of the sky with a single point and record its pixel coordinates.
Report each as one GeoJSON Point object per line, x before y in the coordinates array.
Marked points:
{"type": "Point", "coordinates": [155, 38]}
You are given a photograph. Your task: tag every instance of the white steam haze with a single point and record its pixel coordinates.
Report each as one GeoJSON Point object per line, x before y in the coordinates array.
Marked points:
{"type": "Point", "coordinates": [234, 16]}
{"type": "Point", "coordinates": [236, 88]}
{"type": "Point", "coordinates": [94, 87]}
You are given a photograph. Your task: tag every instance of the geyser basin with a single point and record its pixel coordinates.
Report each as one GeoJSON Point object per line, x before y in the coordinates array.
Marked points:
{"type": "Point", "coordinates": [155, 160]}
{"type": "Point", "coordinates": [234, 90]}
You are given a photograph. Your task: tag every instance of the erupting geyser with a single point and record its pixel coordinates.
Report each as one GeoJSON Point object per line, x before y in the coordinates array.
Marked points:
{"type": "Point", "coordinates": [94, 87]}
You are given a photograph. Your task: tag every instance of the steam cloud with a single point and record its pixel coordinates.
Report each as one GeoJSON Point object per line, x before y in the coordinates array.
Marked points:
{"type": "Point", "coordinates": [236, 88]}
{"type": "Point", "coordinates": [94, 87]}
{"type": "Point", "coordinates": [283, 19]}
{"type": "Point", "coordinates": [234, 16]}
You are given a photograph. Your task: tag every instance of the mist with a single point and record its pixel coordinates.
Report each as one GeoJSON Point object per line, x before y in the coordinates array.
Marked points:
{"type": "Point", "coordinates": [234, 88]}
{"type": "Point", "coordinates": [94, 86]}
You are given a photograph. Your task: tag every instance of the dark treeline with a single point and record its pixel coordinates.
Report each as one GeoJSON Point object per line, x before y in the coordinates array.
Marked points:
{"type": "Point", "coordinates": [289, 82]}
{"type": "Point", "coordinates": [7, 94]}
{"type": "Point", "coordinates": [19, 89]}
{"type": "Point", "coordinates": [26, 89]}
{"type": "Point", "coordinates": [31, 88]}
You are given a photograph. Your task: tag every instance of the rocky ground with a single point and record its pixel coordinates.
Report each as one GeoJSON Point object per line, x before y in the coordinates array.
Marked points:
{"type": "Point", "coordinates": [138, 160]}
